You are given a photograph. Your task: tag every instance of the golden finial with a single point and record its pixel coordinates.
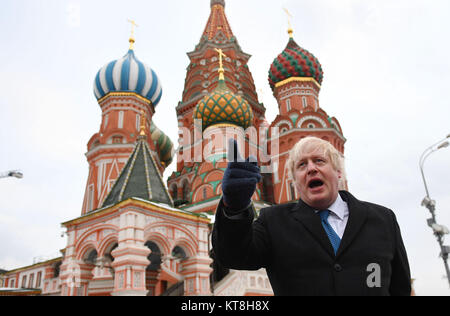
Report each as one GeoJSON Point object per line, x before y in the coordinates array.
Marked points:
{"type": "Point", "coordinates": [290, 30]}
{"type": "Point", "coordinates": [133, 26]}
{"type": "Point", "coordinates": [143, 119]}
{"type": "Point", "coordinates": [221, 69]}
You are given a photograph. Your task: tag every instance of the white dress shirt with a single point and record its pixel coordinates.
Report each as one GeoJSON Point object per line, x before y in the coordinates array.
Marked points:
{"type": "Point", "coordinates": [338, 216]}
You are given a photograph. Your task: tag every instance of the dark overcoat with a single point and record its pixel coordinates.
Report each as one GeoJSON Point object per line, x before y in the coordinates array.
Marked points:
{"type": "Point", "coordinates": [290, 243]}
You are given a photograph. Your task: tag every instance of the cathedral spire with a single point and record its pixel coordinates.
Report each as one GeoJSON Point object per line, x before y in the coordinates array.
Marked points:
{"type": "Point", "coordinates": [219, 2]}
{"type": "Point", "coordinates": [217, 22]}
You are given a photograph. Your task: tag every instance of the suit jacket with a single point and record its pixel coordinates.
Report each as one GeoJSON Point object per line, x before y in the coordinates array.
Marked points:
{"type": "Point", "coordinates": [290, 243]}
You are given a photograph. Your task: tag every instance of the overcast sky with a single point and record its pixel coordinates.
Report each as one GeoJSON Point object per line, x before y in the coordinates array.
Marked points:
{"type": "Point", "coordinates": [386, 79]}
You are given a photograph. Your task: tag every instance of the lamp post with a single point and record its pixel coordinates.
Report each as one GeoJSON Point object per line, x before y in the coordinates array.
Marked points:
{"type": "Point", "coordinates": [438, 230]}
{"type": "Point", "coordinates": [13, 173]}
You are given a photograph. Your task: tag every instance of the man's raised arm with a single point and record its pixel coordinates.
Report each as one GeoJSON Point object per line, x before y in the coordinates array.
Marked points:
{"type": "Point", "coordinates": [238, 242]}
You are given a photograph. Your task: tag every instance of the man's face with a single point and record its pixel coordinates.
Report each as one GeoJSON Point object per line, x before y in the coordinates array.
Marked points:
{"type": "Point", "coordinates": [316, 179]}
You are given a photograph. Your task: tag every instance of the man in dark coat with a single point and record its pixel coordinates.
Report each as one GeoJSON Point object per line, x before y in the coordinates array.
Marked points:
{"type": "Point", "coordinates": [329, 243]}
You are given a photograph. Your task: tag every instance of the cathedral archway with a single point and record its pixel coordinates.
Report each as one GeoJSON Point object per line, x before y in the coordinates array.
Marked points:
{"type": "Point", "coordinates": [179, 253]}
{"type": "Point", "coordinates": [107, 260]}
{"type": "Point", "coordinates": [85, 269]}
{"type": "Point", "coordinates": [90, 257]}
{"type": "Point", "coordinates": [153, 269]}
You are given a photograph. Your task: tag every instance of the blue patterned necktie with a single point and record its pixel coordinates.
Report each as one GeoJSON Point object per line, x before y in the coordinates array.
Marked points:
{"type": "Point", "coordinates": [334, 238]}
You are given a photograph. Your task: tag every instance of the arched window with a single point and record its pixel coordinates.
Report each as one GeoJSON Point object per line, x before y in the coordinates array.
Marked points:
{"type": "Point", "coordinates": [105, 122]}
{"type": "Point", "coordinates": [120, 120]}
{"type": "Point", "coordinates": [138, 122]}
{"type": "Point", "coordinates": [117, 139]}
{"type": "Point", "coordinates": [38, 279]}
{"type": "Point", "coordinates": [174, 192]}
{"type": "Point", "coordinates": [56, 269]}
{"type": "Point", "coordinates": [186, 191]}
{"type": "Point", "coordinates": [31, 281]}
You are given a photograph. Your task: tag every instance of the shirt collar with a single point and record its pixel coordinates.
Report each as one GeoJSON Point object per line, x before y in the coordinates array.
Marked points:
{"type": "Point", "coordinates": [339, 207]}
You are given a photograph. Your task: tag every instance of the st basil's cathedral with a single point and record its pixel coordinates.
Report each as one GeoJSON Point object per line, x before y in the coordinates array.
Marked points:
{"type": "Point", "coordinates": [136, 234]}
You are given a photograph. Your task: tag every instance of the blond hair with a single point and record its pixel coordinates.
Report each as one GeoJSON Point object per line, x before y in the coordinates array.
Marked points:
{"type": "Point", "coordinates": [311, 143]}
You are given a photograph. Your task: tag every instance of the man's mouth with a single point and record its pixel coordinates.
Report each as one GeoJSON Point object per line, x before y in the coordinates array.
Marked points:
{"type": "Point", "coordinates": [315, 183]}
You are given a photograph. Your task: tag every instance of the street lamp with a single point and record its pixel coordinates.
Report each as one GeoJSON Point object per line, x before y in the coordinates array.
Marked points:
{"type": "Point", "coordinates": [13, 173]}
{"type": "Point", "coordinates": [439, 230]}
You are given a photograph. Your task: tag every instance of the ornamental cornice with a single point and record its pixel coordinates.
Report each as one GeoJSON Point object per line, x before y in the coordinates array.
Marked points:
{"type": "Point", "coordinates": [300, 79]}
{"type": "Point", "coordinates": [308, 131]}
{"type": "Point", "coordinates": [113, 148]}
{"type": "Point", "coordinates": [281, 122]}
{"type": "Point", "coordinates": [313, 118]}
{"type": "Point", "coordinates": [124, 94]}
{"type": "Point", "coordinates": [138, 205]}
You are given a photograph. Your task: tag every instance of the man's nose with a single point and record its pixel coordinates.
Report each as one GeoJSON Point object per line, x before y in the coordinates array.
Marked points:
{"type": "Point", "coordinates": [311, 167]}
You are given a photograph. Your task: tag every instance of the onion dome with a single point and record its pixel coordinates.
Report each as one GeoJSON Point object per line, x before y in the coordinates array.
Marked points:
{"type": "Point", "coordinates": [165, 145]}
{"type": "Point", "coordinates": [128, 74]}
{"type": "Point", "coordinates": [223, 106]}
{"type": "Point", "coordinates": [294, 61]}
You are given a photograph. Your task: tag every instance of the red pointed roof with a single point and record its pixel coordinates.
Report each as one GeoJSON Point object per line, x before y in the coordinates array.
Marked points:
{"type": "Point", "coordinates": [217, 21]}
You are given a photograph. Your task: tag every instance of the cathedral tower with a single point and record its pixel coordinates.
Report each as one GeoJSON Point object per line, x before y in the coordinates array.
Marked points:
{"type": "Point", "coordinates": [295, 77]}
{"type": "Point", "coordinates": [125, 89]}
{"type": "Point", "coordinates": [129, 239]}
{"type": "Point", "coordinates": [196, 184]}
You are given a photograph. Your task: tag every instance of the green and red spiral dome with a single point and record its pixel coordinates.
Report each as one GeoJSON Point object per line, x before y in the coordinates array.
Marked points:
{"type": "Point", "coordinates": [294, 61]}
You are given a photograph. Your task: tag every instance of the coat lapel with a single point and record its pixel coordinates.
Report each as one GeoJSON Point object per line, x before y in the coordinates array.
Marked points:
{"type": "Point", "coordinates": [311, 221]}
{"type": "Point", "coordinates": [356, 220]}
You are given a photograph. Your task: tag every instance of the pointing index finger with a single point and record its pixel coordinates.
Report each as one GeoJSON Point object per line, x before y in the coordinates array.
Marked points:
{"type": "Point", "coordinates": [233, 151]}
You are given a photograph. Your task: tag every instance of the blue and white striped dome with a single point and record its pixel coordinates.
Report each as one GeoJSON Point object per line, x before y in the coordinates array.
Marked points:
{"type": "Point", "coordinates": [128, 74]}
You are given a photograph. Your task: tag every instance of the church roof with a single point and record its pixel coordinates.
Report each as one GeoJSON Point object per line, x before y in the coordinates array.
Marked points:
{"type": "Point", "coordinates": [128, 74]}
{"type": "Point", "coordinates": [294, 61]}
{"type": "Point", "coordinates": [223, 106]}
{"type": "Point", "coordinates": [217, 22]}
{"type": "Point", "coordinates": [140, 178]}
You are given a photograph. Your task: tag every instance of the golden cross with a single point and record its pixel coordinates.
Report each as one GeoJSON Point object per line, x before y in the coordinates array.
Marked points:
{"type": "Point", "coordinates": [142, 127]}
{"type": "Point", "coordinates": [221, 54]}
{"type": "Point", "coordinates": [221, 69]}
{"type": "Point", "coordinates": [290, 30]}
{"type": "Point", "coordinates": [133, 26]}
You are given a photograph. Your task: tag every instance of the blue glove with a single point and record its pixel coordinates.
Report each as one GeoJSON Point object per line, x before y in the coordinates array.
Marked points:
{"type": "Point", "coordinates": [240, 179]}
